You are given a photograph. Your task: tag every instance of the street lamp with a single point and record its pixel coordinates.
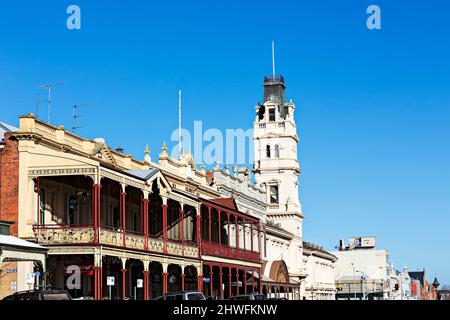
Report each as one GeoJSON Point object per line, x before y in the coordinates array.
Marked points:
{"type": "Point", "coordinates": [353, 266]}
{"type": "Point", "coordinates": [362, 284]}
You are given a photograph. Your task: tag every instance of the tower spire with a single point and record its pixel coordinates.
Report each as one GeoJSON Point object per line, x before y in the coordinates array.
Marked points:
{"type": "Point", "coordinates": [273, 59]}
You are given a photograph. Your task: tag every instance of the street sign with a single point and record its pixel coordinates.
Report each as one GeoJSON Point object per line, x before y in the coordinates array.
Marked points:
{"type": "Point", "coordinates": [30, 278]}
{"type": "Point", "coordinates": [110, 281]}
{"type": "Point", "coordinates": [140, 283]}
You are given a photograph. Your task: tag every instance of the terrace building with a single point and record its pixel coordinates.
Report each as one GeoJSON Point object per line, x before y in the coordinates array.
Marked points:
{"type": "Point", "coordinates": [103, 213]}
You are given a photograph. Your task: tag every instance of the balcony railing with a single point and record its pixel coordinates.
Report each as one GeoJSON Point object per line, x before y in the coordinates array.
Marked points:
{"type": "Point", "coordinates": [66, 235]}
{"type": "Point", "coordinates": [224, 251]}
{"type": "Point", "coordinates": [55, 235]}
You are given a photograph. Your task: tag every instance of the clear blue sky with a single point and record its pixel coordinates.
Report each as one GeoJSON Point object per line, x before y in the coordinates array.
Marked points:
{"type": "Point", "coordinates": [372, 106]}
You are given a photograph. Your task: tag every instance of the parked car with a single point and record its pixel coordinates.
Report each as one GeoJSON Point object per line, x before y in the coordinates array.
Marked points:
{"type": "Point", "coordinates": [185, 295]}
{"type": "Point", "coordinates": [84, 298]}
{"type": "Point", "coordinates": [251, 296]}
{"type": "Point", "coordinates": [40, 295]}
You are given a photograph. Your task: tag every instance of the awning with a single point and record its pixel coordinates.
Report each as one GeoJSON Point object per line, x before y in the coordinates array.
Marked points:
{"type": "Point", "coordinates": [16, 249]}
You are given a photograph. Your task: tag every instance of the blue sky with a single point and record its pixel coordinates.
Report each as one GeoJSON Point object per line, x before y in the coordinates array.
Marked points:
{"type": "Point", "coordinates": [372, 106]}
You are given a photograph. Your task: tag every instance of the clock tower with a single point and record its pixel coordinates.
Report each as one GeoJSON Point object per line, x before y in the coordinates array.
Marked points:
{"type": "Point", "coordinates": [276, 166]}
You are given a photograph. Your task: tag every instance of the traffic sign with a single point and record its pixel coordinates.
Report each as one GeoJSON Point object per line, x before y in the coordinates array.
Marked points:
{"type": "Point", "coordinates": [110, 281]}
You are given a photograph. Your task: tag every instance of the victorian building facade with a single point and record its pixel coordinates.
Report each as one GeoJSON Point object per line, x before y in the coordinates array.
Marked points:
{"type": "Point", "coordinates": [154, 228]}
{"type": "Point", "coordinates": [139, 229]}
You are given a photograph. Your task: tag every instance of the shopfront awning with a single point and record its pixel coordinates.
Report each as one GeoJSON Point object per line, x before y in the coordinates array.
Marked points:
{"type": "Point", "coordinates": [16, 249]}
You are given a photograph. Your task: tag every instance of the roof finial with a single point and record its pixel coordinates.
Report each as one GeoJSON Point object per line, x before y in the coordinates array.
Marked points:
{"type": "Point", "coordinates": [164, 147]}
{"type": "Point", "coordinates": [147, 158]}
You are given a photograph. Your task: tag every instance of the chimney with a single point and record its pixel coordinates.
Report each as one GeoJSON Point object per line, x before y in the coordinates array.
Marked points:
{"type": "Point", "coordinates": [119, 150]}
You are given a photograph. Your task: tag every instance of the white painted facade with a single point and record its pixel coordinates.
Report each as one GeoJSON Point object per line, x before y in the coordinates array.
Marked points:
{"type": "Point", "coordinates": [319, 283]}
{"type": "Point", "coordinates": [277, 168]}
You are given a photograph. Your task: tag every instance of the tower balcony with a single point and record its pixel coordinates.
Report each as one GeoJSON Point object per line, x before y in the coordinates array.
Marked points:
{"type": "Point", "coordinates": [271, 80]}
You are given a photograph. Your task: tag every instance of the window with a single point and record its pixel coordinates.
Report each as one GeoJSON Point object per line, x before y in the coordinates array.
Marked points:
{"type": "Point", "coordinates": [268, 151]}
{"type": "Point", "coordinates": [272, 114]}
{"type": "Point", "coordinates": [277, 151]}
{"type": "Point", "coordinates": [273, 194]}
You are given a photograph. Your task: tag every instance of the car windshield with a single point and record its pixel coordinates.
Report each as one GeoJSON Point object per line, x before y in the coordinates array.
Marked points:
{"type": "Point", "coordinates": [195, 296]}
{"type": "Point", "coordinates": [55, 296]}
{"type": "Point", "coordinates": [259, 297]}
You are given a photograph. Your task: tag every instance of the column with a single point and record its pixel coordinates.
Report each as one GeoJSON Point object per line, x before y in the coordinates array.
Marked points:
{"type": "Point", "coordinates": [229, 282]}
{"type": "Point", "coordinates": [220, 283]}
{"type": "Point", "coordinates": [145, 203]}
{"type": "Point", "coordinates": [96, 286]}
{"type": "Point", "coordinates": [146, 285]}
{"type": "Point", "coordinates": [229, 234]}
{"type": "Point", "coordinates": [259, 281]}
{"type": "Point", "coordinates": [253, 281]}
{"type": "Point", "coordinates": [209, 221]}
{"type": "Point", "coordinates": [146, 280]}
{"type": "Point", "coordinates": [219, 230]}
{"type": "Point", "coordinates": [165, 286]}
{"type": "Point", "coordinates": [199, 281]}
{"type": "Point", "coordinates": [100, 285]}
{"type": "Point", "coordinates": [123, 213]}
{"type": "Point", "coordinates": [124, 279]}
{"type": "Point", "coordinates": [182, 278]}
{"type": "Point", "coordinates": [181, 213]}
{"type": "Point", "coordinates": [211, 283]}
{"type": "Point", "coordinates": [237, 281]}
{"type": "Point", "coordinates": [244, 222]}
{"type": "Point", "coordinates": [245, 280]}
{"type": "Point", "coordinates": [164, 214]}
{"type": "Point", "coordinates": [265, 242]}
{"type": "Point", "coordinates": [198, 233]}
{"type": "Point", "coordinates": [96, 210]}
{"type": "Point", "coordinates": [237, 231]}
{"type": "Point", "coordinates": [259, 238]}
{"type": "Point", "coordinates": [251, 236]}
{"type": "Point", "coordinates": [38, 191]}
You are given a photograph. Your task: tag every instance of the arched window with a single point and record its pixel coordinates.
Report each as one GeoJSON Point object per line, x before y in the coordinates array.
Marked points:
{"type": "Point", "coordinates": [277, 151]}
{"type": "Point", "coordinates": [268, 151]}
{"type": "Point", "coordinates": [274, 194]}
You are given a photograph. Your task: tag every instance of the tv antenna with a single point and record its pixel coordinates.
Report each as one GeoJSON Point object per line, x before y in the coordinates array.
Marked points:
{"type": "Point", "coordinates": [49, 87]}
{"type": "Point", "coordinates": [36, 101]}
{"type": "Point", "coordinates": [75, 116]}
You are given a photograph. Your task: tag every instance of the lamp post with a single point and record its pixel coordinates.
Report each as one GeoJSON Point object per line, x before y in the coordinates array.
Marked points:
{"type": "Point", "coordinates": [363, 290]}
{"type": "Point", "coordinates": [353, 266]}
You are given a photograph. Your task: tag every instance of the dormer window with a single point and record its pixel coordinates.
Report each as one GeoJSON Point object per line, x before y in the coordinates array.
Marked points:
{"type": "Point", "coordinates": [272, 114]}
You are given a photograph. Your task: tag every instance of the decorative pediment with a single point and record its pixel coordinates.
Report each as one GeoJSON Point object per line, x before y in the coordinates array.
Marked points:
{"type": "Point", "coordinates": [271, 135]}
{"type": "Point", "coordinates": [103, 153]}
{"type": "Point", "coordinates": [188, 159]}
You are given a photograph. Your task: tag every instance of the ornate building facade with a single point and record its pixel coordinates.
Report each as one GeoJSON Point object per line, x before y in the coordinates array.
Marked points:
{"type": "Point", "coordinates": [163, 226]}
{"type": "Point", "coordinates": [103, 213]}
